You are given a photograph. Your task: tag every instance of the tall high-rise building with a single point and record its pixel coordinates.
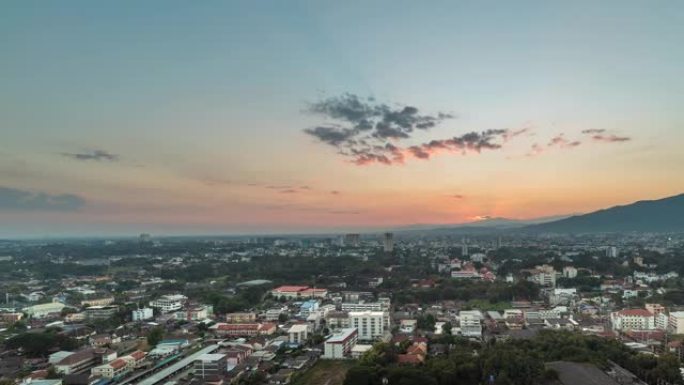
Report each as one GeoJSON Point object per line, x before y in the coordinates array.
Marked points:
{"type": "Point", "coordinates": [353, 240]}
{"type": "Point", "coordinates": [388, 242]}
{"type": "Point", "coordinates": [464, 247]}
{"type": "Point", "coordinates": [612, 252]}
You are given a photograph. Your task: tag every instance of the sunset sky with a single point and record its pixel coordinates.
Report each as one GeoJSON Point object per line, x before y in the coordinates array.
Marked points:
{"type": "Point", "coordinates": [227, 117]}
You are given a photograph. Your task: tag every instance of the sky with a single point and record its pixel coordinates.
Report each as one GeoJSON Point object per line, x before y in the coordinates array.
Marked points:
{"type": "Point", "coordinates": [240, 117]}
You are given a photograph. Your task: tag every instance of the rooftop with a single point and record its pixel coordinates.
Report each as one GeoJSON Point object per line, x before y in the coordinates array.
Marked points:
{"type": "Point", "coordinates": [165, 373]}
{"type": "Point", "coordinates": [210, 357]}
{"type": "Point", "coordinates": [342, 335]}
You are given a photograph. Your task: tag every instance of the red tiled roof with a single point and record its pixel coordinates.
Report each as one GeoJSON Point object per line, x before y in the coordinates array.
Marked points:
{"type": "Point", "coordinates": [291, 289]}
{"type": "Point", "coordinates": [238, 326]}
{"type": "Point", "coordinates": [138, 355]}
{"type": "Point", "coordinates": [266, 326]}
{"type": "Point", "coordinates": [418, 340]}
{"type": "Point", "coordinates": [409, 359]}
{"type": "Point", "coordinates": [77, 357]}
{"type": "Point", "coordinates": [416, 349]}
{"type": "Point", "coordinates": [118, 363]}
{"type": "Point", "coordinates": [636, 313]}
{"type": "Point", "coordinates": [308, 290]}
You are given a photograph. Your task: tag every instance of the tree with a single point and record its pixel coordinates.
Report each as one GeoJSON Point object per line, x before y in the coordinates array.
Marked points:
{"type": "Point", "coordinates": [52, 373]}
{"type": "Point", "coordinates": [446, 328]}
{"type": "Point", "coordinates": [155, 336]}
{"type": "Point", "coordinates": [426, 323]}
{"type": "Point", "coordinates": [359, 375]}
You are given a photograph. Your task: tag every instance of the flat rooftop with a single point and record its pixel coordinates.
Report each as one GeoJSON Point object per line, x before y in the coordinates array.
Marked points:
{"type": "Point", "coordinates": [210, 357]}
{"type": "Point", "coordinates": [341, 335]}
{"type": "Point", "coordinates": [178, 366]}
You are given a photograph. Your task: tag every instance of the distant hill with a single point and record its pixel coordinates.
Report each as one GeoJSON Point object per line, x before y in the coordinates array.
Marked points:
{"type": "Point", "coordinates": [655, 216]}
{"type": "Point", "coordinates": [487, 225]}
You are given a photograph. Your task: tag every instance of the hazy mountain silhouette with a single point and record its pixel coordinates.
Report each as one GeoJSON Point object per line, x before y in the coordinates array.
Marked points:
{"type": "Point", "coordinates": [662, 215]}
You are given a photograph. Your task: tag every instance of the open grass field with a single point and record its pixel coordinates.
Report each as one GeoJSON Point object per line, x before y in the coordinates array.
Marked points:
{"type": "Point", "coordinates": [325, 372]}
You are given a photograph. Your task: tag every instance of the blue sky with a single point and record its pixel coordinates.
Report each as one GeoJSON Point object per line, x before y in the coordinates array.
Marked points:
{"type": "Point", "coordinates": [187, 92]}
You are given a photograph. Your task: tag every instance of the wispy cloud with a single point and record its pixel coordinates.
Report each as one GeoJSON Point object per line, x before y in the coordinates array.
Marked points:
{"type": "Point", "coordinates": [96, 155]}
{"type": "Point", "coordinates": [458, 196]}
{"type": "Point", "coordinates": [610, 138]}
{"type": "Point", "coordinates": [562, 142]}
{"type": "Point", "coordinates": [12, 199]}
{"type": "Point", "coordinates": [604, 136]}
{"type": "Point", "coordinates": [593, 131]}
{"type": "Point", "coordinates": [536, 149]}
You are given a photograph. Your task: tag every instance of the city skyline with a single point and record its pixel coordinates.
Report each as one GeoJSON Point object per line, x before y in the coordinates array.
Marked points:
{"type": "Point", "coordinates": [237, 118]}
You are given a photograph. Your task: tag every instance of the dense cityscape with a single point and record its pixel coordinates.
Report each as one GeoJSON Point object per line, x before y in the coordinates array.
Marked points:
{"type": "Point", "coordinates": [352, 309]}
{"type": "Point", "coordinates": [356, 192]}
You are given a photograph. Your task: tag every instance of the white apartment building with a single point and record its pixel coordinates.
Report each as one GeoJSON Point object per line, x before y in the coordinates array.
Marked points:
{"type": "Point", "coordinates": [569, 272]}
{"type": "Point", "coordinates": [632, 319]}
{"type": "Point", "coordinates": [43, 310]}
{"type": "Point", "coordinates": [337, 320]}
{"type": "Point", "coordinates": [365, 306]}
{"type": "Point", "coordinates": [298, 333]}
{"type": "Point", "coordinates": [408, 326]}
{"type": "Point", "coordinates": [381, 306]}
{"type": "Point", "coordinates": [198, 313]}
{"type": "Point", "coordinates": [142, 314]}
{"type": "Point", "coordinates": [676, 322]}
{"type": "Point", "coordinates": [470, 322]}
{"type": "Point", "coordinates": [370, 324]}
{"type": "Point", "coordinates": [543, 275]}
{"type": "Point", "coordinates": [169, 303]}
{"type": "Point", "coordinates": [340, 344]}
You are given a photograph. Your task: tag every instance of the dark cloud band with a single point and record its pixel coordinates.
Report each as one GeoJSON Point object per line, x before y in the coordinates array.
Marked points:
{"type": "Point", "coordinates": [96, 155]}
{"type": "Point", "coordinates": [12, 199]}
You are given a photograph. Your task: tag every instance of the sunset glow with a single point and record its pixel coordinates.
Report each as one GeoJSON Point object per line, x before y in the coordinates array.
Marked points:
{"type": "Point", "coordinates": [113, 124]}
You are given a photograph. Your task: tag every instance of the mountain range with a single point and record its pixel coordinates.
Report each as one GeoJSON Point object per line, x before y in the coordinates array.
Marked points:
{"type": "Point", "coordinates": [649, 216]}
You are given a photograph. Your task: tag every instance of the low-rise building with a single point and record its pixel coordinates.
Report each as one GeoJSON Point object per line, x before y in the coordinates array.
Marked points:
{"type": "Point", "coordinates": [471, 323]}
{"type": "Point", "coordinates": [209, 365]}
{"type": "Point", "coordinates": [197, 313]}
{"type": "Point", "coordinates": [44, 310]}
{"type": "Point", "coordinates": [98, 301]}
{"type": "Point", "coordinates": [143, 314]}
{"type": "Point", "coordinates": [294, 292]}
{"type": "Point", "coordinates": [340, 344]}
{"type": "Point", "coordinates": [632, 319]}
{"type": "Point", "coordinates": [169, 303]}
{"type": "Point", "coordinates": [100, 312]}
{"type": "Point", "coordinates": [408, 326]}
{"type": "Point", "coordinates": [242, 317]}
{"type": "Point", "coordinates": [676, 322]}
{"type": "Point", "coordinates": [83, 360]}
{"type": "Point", "coordinates": [298, 333]}
{"type": "Point", "coordinates": [244, 330]}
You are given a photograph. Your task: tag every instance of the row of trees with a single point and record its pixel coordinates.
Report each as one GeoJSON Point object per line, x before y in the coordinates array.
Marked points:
{"type": "Point", "coordinates": [463, 290]}
{"type": "Point", "coordinates": [41, 344]}
{"type": "Point", "coordinates": [517, 362]}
